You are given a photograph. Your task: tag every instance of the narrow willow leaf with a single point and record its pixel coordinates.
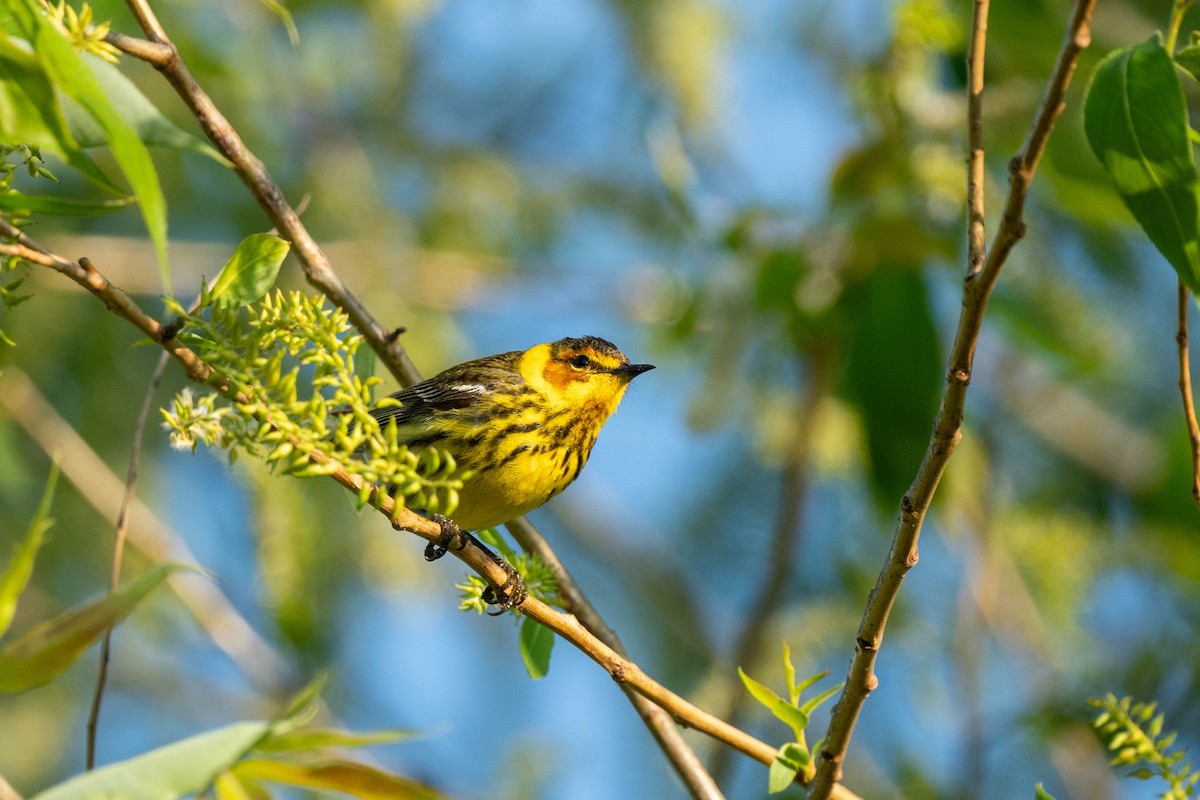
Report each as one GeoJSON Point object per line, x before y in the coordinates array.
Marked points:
{"type": "Point", "coordinates": [305, 700]}
{"type": "Point", "coordinates": [62, 206]}
{"type": "Point", "coordinates": [67, 70]}
{"type": "Point", "coordinates": [230, 787]}
{"type": "Point", "coordinates": [48, 649]}
{"type": "Point", "coordinates": [251, 270]}
{"type": "Point", "coordinates": [537, 642]}
{"type": "Point", "coordinates": [16, 575]}
{"type": "Point", "coordinates": [813, 702]}
{"type": "Point", "coordinates": [781, 708]}
{"type": "Point", "coordinates": [320, 738]}
{"type": "Point", "coordinates": [175, 770]}
{"type": "Point", "coordinates": [358, 780]}
{"type": "Point", "coordinates": [152, 127]}
{"type": "Point", "coordinates": [1136, 121]}
{"type": "Point", "coordinates": [1041, 794]}
{"type": "Point", "coordinates": [789, 675]}
{"type": "Point", "coordinates": [30, 113]}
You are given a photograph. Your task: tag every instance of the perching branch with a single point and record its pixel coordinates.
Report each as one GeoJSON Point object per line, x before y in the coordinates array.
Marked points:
{"type": "Point", "coordinates": [162, 54]}
{"type": "Point", "coordinates": [947, 430]}
{"type": "Point", "coordinates": [627, 674]}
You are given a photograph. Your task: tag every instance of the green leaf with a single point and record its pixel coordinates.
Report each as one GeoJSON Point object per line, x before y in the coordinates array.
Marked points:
{"type": "Point", "coordinates": [537, 642]}
{"type": "Point", "coordinates": [63, 206]}
{"type": "Point", "coordinates": [152, 127]}
{"type": "Point", "coordinates": [285, 16]}
{"type": "Point", "coordinates": [812, 703]}
{"type": "Point", "coordinates": [30, 112]}
{"type": "Point", "coordinates": [172, 771]}
{"type": "Point", "coordinates": [251, 270]}
{"type": "Point", "coordinates": [789, 675]}
{"type": "Point", "coordinates": [16, 576]}
{"type": "Point", "coordinates": [894, 374]}
{"type": "Point", "coordinates": [48, 649]}
{"type": "Point", "coordinates": [809, 681]}
{"type": "Point", "coordinates": [320, 738]}
{"type": "Point", "coordinates": [1041, 794]}
{"type": "Point", "coordinates": [790, 759]}
{"type": "Point", "coordinates": [781, 708]}
{"type": "Point", "coordinates": [1136, 121]}
{"type": "Point", "coordinates": [1189, 59]}
{"type": "Point", "coordinates": [68, 71]}
{"type": "Point", "coordinates": [350, 777]}
{"type": "Point", "coordinates": [303, 705]}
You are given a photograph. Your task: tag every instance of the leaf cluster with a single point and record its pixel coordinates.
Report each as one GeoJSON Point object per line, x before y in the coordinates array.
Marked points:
{"type": "Point", "coordinates": [292, 359]}
{"type": "Point", "coordinates": [536, 641]}
{"type": "Point", "coordinates": [794, 758]}
{"type": "Point", "coordinates": [234, 763]}
{"type": "Point", "coordinates": [1134, 733]}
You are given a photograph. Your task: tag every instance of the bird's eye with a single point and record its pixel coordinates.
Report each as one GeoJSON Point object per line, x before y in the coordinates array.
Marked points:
{"type": "Point", "coordinates": [580, 361]}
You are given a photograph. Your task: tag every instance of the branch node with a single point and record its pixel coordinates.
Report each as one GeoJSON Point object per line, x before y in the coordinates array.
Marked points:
{"type": "Point", "coordinates": [393, 335]}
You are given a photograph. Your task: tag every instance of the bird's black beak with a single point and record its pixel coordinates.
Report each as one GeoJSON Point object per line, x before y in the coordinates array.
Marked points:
{"type": "Point", "coordinates": [631, 371]}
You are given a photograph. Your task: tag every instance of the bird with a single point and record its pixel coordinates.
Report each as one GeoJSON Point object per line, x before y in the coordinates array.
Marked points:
{"type": "Point", "coordinates": [524, 422]}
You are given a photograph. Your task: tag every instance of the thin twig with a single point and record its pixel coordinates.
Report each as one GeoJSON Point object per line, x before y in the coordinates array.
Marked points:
{"type": "Point", "coordinates": [947, 431]}
{"type": "Point", "coordinates": [1185, 388]}
{"type": "Point", "coordinates": [480, 559]}
{"type": "Point", "coordinates": [127, 500]}
{"type": "Point", "coordinates": [154, 539]}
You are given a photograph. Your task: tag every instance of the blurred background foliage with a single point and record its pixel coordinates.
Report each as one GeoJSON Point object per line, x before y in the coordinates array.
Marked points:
{"type": "Point", "coordinates": [766, 200]}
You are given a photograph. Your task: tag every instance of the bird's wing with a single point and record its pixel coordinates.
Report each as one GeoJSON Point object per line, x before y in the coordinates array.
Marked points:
{"type": "Point", "coordinates": [455, 389]}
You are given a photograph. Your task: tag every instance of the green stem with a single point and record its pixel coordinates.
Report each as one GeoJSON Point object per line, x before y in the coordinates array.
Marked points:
{"type": "Point", "coordinates": [1181, 7]}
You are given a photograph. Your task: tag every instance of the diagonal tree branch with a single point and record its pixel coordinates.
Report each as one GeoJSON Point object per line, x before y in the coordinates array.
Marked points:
{"type": "Point", "coordinates": [947, 430]}
{"type": "Point", "coordinates": [158, 50]}
{"type": "Point", "coordinates": [626, 673]}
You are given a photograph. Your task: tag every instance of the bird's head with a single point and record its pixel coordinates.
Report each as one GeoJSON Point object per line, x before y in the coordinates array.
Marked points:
{"type": "Point", "coordinates": [587, 372]}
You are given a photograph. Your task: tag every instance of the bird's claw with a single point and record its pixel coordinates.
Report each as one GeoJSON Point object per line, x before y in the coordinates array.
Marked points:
{"type": "Point", "coordinates": [509, 595]}
{"type": "Point", "coordinates": [451, 538]}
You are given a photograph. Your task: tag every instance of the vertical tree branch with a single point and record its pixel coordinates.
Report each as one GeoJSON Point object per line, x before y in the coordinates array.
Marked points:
{"type": "Point", "coordinates": [1185, 388]}
{"type": "Point", "coordinates": [976, 249]}
{"type": "Point", "coordinates": [947, 430]}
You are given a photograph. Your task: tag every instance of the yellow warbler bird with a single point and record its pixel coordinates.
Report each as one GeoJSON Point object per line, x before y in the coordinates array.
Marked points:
{"type": "Point", "coordinates": [524, 422]}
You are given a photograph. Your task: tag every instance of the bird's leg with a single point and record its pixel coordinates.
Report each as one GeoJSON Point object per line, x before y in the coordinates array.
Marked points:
{"type": "Point", "coordinates": [451, 538]}
{"type": "Point", "coordinates": [508, 595]}
{"type": "Point", "coordinates": [511, 594]}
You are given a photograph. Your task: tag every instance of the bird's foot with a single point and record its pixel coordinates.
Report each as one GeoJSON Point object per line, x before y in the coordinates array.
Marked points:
{"type": "Point", "coordinates": [509, 595]}
{"type": "Point", "coordinates": [451, 538]}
